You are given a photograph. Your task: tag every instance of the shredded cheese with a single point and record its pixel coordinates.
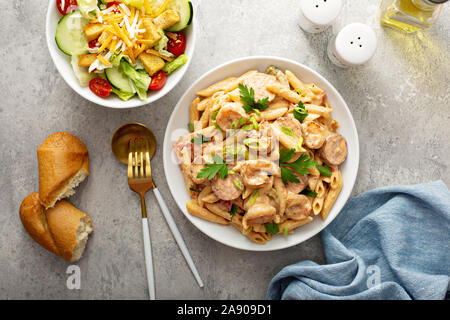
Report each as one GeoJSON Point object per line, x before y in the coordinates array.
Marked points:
{"type": "Point", "coordinates": [103, 60]}
{"type": "Point", "coordinates": [106, 43]}
{"type": "Point", "coordinates": [161, 9]}
{"type": "Point", "coordinates": [125, 9]}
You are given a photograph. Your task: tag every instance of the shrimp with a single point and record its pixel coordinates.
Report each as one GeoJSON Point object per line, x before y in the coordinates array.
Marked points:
{"type": "Point", "coordinates": [298, 207]}
{"type": "Point", "coordinates": [260, 212]}
{"type": "Point", "coordinates": [230, 111]}
{"type": "Point", "coordinates": [257, 173]}
{"type": "Point", "coordinates": [259, 81]}
{"type": "Point", "coordinates": [258, 141]}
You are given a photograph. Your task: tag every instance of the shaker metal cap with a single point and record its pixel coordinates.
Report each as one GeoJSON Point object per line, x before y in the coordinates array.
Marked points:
{"type": "Point", "coordinates": [321, 13]}
{"type": "Point", "coordinates": [355, 44]}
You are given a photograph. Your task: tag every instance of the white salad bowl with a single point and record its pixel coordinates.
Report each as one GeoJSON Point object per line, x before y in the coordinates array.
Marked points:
{"type": "Point", "coordinates": [62, 63]}
{"type": "Point", "coordinates": [177, 127]}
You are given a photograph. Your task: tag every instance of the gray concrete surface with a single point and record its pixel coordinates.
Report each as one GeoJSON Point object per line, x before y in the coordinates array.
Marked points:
{"type": "Point", "coordinates": [399, 102]}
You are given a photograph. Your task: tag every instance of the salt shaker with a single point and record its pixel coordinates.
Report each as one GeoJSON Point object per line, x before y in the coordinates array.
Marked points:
{"type": "Point", "coordinates": [317, 15]}
{"type": "Point", "coordinates": [353, 46]}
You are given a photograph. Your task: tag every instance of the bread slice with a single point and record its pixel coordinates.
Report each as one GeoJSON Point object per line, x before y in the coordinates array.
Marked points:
{"type": "Point", "coordinates": [63, 161]}
{"type": "Point", "coordinates": [63, 229]}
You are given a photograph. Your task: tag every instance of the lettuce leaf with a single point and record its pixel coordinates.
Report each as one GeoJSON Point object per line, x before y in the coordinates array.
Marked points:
{"type": "Point", "coordinates": [81, 73]}
{"type": "Point", "coordinates": [141, 79]}
{"type": "Point", "coordinates": [161, 45]}
{"type": "Point", "coordinates": [122, 94]}
{"type": "Point", "coordinates": [135, 3]}
{"type": "Point", "coordinates": [86, 7]}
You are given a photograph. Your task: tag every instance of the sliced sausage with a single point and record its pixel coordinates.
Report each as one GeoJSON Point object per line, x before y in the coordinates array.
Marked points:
{"type": "Point", "coordinates": [334, 150]}
{"type": "Point", "coordinates": [225, 189]}
{"type": "Point", "coordinates": [297, 187]}
{"type": "Point", "coordinates": [313, 134]}
{"type": "Point", "coordinates": [298, 207]}
{"type": "Point", "coordinates": [195, 170]}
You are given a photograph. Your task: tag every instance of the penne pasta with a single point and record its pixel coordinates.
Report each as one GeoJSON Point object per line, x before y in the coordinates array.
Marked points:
{"type": "Point", "coordinates": [194, 209]}
{"type": "Point", "coordinates": [255, 191]}
{"type": "Point", "coordinates": [194, 113]}
{"type": "Point", "coordinates": [226, 85]}
{"type": "Point", "coordinates": [322, 111]}
{"type": "Point", "coordinates": [203, 104]}
{"type": "Point", "coordinates": [214, 208]}
{"type": "Point", "coordinates": [331, 196]}
{"type": "Point", "coordinates": [205, 191]}
{"type": "Point", "coordinates": [317, 205]}
{"type": "Point", "coordinates": [292, 224]}
{"type": "Point", "coordinates": [320, 189]}
{"type": "Point", "coordinates": [284, 92]}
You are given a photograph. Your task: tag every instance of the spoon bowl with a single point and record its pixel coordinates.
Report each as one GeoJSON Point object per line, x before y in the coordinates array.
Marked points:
{"type": "Point", "coordinates": [131, 131]}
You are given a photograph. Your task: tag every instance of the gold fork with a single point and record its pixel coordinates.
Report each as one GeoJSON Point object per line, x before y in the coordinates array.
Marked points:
{"type": "Point", "coordinates": [140, 181]}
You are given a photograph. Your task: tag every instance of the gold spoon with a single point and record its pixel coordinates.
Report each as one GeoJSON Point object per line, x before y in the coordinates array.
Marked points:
{"type": "Point", "coordinates": [120, 146]}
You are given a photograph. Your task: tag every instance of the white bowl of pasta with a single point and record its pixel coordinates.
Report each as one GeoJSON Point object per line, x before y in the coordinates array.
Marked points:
{"type": "Point", "coordinates": [292, 162]}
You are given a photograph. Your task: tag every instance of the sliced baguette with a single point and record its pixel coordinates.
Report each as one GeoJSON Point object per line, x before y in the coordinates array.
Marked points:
{"type": "Point", "coordinates": [63, 229]}
{"type": "Point", "coordinates": [63, 161]}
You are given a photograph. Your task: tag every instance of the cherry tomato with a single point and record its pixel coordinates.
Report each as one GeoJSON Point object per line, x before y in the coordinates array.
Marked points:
{"type": "Point", "coordinates": [158, 80]}
{"type": "Point", "coordinates": [115, 3]}
{"type": "Point", "coordinates": [94, 44]}
{"type": "Point", "coordinates": [178, 45]}
{"type": "Point", "coordinates": [69, 6]}
{"type": "Point", "coordinates": [100, 87]}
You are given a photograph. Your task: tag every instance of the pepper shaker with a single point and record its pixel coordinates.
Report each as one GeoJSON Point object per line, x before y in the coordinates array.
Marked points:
{"type": "Point", "coordinates": [354, 45]}
{"type": "Point", "coordinates": [317, 15]}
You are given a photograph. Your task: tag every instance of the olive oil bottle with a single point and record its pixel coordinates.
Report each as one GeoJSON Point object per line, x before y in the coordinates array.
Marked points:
{"type": "Point", "coordinates": [410, 15]}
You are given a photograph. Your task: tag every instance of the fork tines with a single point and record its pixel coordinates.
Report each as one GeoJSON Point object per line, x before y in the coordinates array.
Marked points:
{"type": "Point", "coordinates": [139, 159]}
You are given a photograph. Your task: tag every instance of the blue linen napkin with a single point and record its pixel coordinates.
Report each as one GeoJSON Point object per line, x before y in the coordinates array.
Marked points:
{"type": "Point", "coordinates": [388, 243]}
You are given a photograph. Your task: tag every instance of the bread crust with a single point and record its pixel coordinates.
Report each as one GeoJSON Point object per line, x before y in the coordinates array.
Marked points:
{"type": "Point", "coordinates": [56, 228]}
{"type": "Point", "coordinates": [60, 158]}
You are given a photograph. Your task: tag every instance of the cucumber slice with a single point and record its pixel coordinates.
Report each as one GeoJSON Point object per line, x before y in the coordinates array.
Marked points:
{"type": "Point", "coordinates": [118, 79]}
{"type": "Point", "coordinates": [186, 11]}
{"type": "Point", "coordinates": [70, 36]}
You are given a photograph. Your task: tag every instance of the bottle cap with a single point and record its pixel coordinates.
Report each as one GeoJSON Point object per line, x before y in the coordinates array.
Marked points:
{"type": "Point", "coordinates": [354, 45]}
{"type": "Point", "coordinates": [318, 15]}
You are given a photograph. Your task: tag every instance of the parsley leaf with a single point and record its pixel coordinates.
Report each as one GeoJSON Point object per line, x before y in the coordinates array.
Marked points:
{"type": "Point", "coordinates": [194, 189]}
{"type": "Point", "coordinates": [286, 155]}
{"type": "Point", "coordinates": [233, 211]}
{"type": "Point", "coordinates": [262, 104]}
{"type": "Point", "coordinates": [272, 228]}
{"type": "Point", "coordinates": [248, 99]}
{"type": "Point", "coordinates": [309, 193]}
{"type": "Point", "coordinates": [200, 139]}
{"type": "Point", "coordinates": [300, 112]}
{"type": "Point", "coordinates": [288, 174]}
{"type": "Point", "coordinates": [324, 170]}
{"type": "Point", "coordinates": [300, 166]}
{"type": "Point", "coordinates": [212, 169]}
